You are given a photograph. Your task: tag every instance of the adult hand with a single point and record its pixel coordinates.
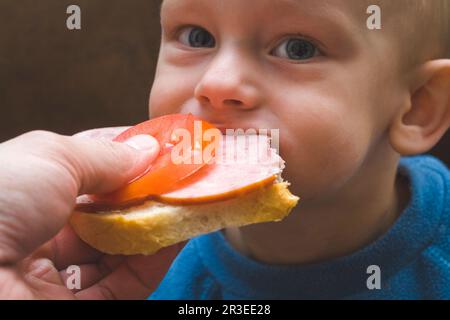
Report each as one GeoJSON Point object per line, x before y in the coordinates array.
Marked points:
{"type": "Point", "coordinates": [41, 174]}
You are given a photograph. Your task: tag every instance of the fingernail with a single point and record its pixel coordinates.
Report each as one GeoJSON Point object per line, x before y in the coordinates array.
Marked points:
{"type": "Point", "coordinates": [143, 142]}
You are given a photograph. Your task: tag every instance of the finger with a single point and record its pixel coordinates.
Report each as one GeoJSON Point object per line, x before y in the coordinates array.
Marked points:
{"type": "Point", "coordinates": [100, 166]}
{"type": "Point", "coordinates": [42, 276]}
{"type": "Point", "coordinates": [92, 273]}
{"type": "Point", "coordinates": [108, 133]}
{"type": "Point", "coordinates": [66, 249]}
{"type": "Point", "coordinates": [135, 278]}
{"type": "Point", "coordinates": [46, 171]}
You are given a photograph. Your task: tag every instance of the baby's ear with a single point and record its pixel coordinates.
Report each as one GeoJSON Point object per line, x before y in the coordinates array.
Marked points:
{"type": "Point", "coordinates": [419, 126]}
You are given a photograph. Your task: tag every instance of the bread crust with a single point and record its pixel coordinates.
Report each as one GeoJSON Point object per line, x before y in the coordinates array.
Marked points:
{"type": "Point", "coordinates": [146, 228]}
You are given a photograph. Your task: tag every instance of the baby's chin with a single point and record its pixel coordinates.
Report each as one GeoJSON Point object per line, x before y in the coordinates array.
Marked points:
{"type": "Point", "coordinates": [313, 182]}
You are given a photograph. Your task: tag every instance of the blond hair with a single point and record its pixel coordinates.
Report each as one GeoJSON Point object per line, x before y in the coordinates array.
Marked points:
{"type": "Point", "coordinates": [422, 26]}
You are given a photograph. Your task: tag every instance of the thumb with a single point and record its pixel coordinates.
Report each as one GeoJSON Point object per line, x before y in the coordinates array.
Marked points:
{"type": "Point", "coordinates": [102, 166]}
{"type": "Point", "coordinates": [42, 173]}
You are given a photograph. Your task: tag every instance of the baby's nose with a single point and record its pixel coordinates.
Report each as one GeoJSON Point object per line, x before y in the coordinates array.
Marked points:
{"type": "Point", "coordinates": [228, 84]}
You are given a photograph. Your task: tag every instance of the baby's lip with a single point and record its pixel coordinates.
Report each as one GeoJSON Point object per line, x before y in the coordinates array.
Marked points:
{"type": "Point", "coordinates": [224, 127]}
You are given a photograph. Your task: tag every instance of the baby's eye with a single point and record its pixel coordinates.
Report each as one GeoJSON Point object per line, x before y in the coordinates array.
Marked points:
{"type": "Point", "coordinates": [196, 37]}
{"type": "Point", "coordinates": [296, 49]}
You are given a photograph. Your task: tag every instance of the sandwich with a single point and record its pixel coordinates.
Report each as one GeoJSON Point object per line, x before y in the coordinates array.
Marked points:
{"type": "Point", "coordinates": [202, 181]}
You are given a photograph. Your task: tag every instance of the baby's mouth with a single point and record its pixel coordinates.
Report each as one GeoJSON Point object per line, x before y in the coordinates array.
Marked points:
{"type": "Point", "coordinates": [243, 130]}
{"type": "Point", "coordinates": [272, 134]}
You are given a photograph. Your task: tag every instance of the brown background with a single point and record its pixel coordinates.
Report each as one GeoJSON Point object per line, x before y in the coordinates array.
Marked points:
{"type": "Point", "coordinates": [67, 81]}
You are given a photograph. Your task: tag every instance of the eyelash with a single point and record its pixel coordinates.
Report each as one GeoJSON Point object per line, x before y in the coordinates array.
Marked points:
{"type": "Point", "coordinates": [317, 48]}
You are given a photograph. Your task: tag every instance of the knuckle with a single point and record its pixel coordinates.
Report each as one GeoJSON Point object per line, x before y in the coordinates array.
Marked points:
{"type": "Point", "coordinates": [44, 140]}
{"type": "Point", "coordinates": [57, 151]}
{"type": "Point", "coordinates": [106, 292]}
{"type": "Point", "coordinates": [40, 135]}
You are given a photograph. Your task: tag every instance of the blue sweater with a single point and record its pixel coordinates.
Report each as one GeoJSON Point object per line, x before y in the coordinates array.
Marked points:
{"type": "Point", "coordinates": [413, 257]}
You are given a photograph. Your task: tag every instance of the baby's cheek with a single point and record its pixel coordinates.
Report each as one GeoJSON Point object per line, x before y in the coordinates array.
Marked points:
{"type": "Point", "coordinates": [321, 155]}
{"type": "Point", "coordinates": [169, 92]}
{"type": "Point", "coordinates": [162, 100]}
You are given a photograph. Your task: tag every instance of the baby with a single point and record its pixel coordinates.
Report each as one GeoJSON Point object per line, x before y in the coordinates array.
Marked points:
{"type": "Point", "coordinates": [349, 101]}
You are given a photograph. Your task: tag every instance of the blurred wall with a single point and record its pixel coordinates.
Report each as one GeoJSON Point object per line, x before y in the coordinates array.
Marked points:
{"type": "Point", "coordinates": [67, 81]}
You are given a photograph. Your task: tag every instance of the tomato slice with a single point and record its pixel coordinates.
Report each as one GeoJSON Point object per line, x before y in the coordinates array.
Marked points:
{"type": "Point", "coordinates": [163, 175]}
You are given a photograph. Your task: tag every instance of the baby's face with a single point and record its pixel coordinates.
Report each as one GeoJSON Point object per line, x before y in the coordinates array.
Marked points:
{"type": "Point", "coordinates": [309, 68]}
